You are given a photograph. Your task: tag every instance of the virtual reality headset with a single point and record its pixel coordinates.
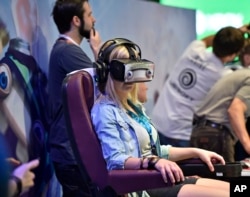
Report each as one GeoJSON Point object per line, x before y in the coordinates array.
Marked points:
{"type": "Point", "coordinates": [131, 71]}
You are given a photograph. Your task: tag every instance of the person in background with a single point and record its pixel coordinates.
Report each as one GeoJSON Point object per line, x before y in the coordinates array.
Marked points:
{"type": "Point", "coordinates": [244, 55]}
{"type": "Point", "coordinates": [75, 22]}
{"type": "Point", "coordinates": [221, 117]}
{"type": "Point", "coordinates": [127, 136]}
{"type": "Point", "coordinates": [194, 74]}
{"type": "Point", "coordinates": [243, 62]}
{"type": "Point", "coordinates": [21, 179]}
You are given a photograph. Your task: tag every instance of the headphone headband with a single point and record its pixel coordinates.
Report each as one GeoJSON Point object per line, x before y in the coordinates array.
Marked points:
{"type": "Point", "coordinates": [105, 50]}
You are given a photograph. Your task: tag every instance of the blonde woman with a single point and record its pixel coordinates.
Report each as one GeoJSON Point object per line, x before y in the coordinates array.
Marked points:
{"type": "Point", "coordinates": [128, 138]}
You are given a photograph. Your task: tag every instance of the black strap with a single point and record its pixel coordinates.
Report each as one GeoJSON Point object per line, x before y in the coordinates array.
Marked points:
{"type": "Point", "coordinates": [19, 185]}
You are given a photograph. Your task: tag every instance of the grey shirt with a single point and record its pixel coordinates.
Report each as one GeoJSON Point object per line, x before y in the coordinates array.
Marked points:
{"type": "Point", "coordinates": [188, 84]}
{"type": "Point", "coordinates": [219, 98]}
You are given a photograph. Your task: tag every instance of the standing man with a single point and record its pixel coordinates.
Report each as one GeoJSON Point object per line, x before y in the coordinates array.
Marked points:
{"type": "Point", "coordinates": [75, 22]}
{"type": "Point", "coordinates": [244, 62]}
{"type": "Point", "coordinates": [221, 117]}
{"type": "Point", "coordinates": [188, 83]}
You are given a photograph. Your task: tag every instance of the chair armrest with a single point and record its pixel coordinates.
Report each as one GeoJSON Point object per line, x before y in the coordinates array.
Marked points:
{"type": "Point", "coordinates": [194, 161]}
{"type": "Point", "coordinates": [196, 166]}
{"type": "Point", "coordinates": [120, 180]}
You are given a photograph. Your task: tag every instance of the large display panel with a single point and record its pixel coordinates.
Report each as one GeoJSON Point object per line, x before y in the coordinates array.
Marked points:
{"type": "Point", "coordinates": [214, 14]}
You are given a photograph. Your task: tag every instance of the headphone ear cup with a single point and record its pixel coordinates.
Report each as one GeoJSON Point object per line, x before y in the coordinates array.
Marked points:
{"type": "Point", "coordinates": [101, 71]}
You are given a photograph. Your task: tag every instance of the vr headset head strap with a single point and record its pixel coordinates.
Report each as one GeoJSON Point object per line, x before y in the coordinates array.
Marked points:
{"type": "Point", "coordinates": [105, 51]}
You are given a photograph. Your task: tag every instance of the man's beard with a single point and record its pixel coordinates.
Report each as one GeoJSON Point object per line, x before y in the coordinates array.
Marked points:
{"type": "Point", "coordinates": [84, 33]}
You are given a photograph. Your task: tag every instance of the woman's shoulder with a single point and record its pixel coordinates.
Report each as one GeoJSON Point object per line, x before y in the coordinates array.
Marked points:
{"type": "Point", "coordinates": [103, 104]}
{"type": "Point", "coordinates": [104, 110]}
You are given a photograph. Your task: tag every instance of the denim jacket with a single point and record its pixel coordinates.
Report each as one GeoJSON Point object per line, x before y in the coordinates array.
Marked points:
{"type": "Point", "coordinates": [117, 135]}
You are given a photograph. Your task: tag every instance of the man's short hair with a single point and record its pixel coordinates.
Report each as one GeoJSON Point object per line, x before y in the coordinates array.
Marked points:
{"type": "Point", "coordinates": [227, 41]}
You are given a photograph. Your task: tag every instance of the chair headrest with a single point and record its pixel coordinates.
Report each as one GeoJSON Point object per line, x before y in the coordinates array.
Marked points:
{"type": "Point", "coordinates": [92, 73]}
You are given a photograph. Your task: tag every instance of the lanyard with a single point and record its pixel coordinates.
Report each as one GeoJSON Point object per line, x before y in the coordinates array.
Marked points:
{"type": "Point", "coordinates": [144, 121]}
{"type": "Point", "coordinates": [68, 38]}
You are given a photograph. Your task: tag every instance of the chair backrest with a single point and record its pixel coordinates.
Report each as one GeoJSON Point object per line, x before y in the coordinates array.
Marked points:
{"type": "Point", "coordinates": [78, 98]}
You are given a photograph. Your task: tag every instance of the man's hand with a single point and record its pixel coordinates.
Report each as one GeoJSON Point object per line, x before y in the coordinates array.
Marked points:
{"type": "Point", "coordinates": [24, 173]}
{"type": "Point", "coordinates": [95, 42]}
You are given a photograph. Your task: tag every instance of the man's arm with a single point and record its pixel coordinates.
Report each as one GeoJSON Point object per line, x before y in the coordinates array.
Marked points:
{"type": "Point", "coordinates": [208, 40]}
{"type": "Point", "coordinates": [237, 120]}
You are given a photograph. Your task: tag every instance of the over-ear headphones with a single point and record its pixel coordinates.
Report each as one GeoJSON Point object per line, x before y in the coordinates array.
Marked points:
{"type": "Point", "coordinates": [102, 63]}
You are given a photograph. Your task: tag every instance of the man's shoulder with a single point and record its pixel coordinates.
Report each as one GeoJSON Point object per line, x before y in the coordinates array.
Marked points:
{"type": "Point", "coordinates": [197, 44]}
{"type": "Point", "coordinates": [69, 52]}
{"type": "Point", "coordinates": [60, 46]}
